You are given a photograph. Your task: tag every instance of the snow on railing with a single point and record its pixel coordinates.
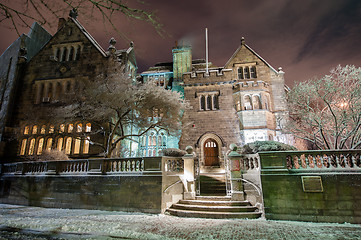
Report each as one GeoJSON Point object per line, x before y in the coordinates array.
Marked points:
{"type": "Point", "coordinates": [341, 160]}
{"type": "Point", "coordinates": [81, 166]}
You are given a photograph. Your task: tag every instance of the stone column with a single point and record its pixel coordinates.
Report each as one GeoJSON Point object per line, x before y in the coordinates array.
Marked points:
{"type": "Point", "coordinates": [188, 159]}
{"type": "Point", "coordinates": [236, 174]}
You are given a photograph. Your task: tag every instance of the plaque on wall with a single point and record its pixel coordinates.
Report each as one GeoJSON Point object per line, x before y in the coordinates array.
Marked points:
{"type": "Point", "coordinates": [312, 184]}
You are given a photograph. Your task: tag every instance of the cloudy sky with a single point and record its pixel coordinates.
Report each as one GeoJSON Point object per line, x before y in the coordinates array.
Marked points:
{"type": "Point", "coordinates": [306, 38]}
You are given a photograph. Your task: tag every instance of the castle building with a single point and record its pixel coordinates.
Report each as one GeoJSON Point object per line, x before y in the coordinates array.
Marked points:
{"type": "Point", "coordinates": [48, 80]}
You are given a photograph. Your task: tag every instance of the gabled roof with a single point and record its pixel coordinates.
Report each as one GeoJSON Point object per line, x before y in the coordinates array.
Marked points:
{"type": "Point", "coordinates": [90, 37]}
{"type": "Point", "coordinates": [252, 51]}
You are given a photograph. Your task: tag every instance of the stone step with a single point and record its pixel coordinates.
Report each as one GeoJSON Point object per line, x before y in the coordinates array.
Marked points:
{"type": "Point", "coordinates": [215, 208]}
{"type": "Point", "coordinates": [214, 198]}
{"type": "Point", "coordinates": [215, 203]}
{"type": "Point", "coordinates": [205, 214]}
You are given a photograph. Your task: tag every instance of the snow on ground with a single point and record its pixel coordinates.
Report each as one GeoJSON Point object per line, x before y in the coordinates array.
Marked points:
{"type": "Point", "coordinates": [21, 222]}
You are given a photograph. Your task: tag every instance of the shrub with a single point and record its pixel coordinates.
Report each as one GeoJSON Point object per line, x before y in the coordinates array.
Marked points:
{"type": "Point", "coordinates": [174, 152]}
{"type": "Point", "coordinates": [261, 146]}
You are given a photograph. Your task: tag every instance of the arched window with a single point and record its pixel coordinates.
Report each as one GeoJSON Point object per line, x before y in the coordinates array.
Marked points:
{"type": "Point", "coordinates": [57, 54]}
{"type": "Point", "coordinates": [43, 129]}
{"type": "Point", "coordinates": [77, 146]}
{"type": "Point", "coordinates": [71, 54]}
{"type": "Point", "coordinates": [238, 105]}
{"type": "Point", "coordinates": [79, 127]}
{"type": "Point", "coordinates": [253, 72]}
{"type": "Point", "coordinates": [70, 128]}
{"type": "Point", "coordinates": [49, 144]}
{"type": "Point", "coordinates": [246, 73]}
{"type": "Point", "coordinates": [215, 102]}
{"type": "Point", "coordinates": [50, 91]}
{"type": "Point", "coordinates": [209, 102]}
{"type": "Point", "coordinates": [240, 73]}
{"type": "Point", "coordinates": [88, 127]}
{"type": "Point", "coordinates": [68, 142]}
{"type": "Point", "coordinates": [32, 146]}
{"type": "Point", "coordinates": [257, 102]}
{"type": "Point", "coordinates": [51, 129]}
{"type": "Point", "coordinates": [40, 146]}
{"type": "Point", "coordinates": [26, 130]}
{"type": "Point", "coordinates": [23, 147]}
{"type": "Point", "coordinates": [203, 103]}
{"type": "Point", "coordinates": [247, 103]}
{"type": "Point", "coordinates": [86, 146]}
{"type": "Point", "coordinates": [35, 129]}
{"type": "Point", "coordinates": [62, 128]}
{"type": "Point", "coordinates": [77, 52]}
{"type": "Point", "coordinates": [60, 144]}
{"type": "Point", "coordinates": [63, 57]}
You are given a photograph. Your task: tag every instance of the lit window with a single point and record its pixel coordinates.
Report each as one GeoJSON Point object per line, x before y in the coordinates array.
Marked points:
{"type": "Point", "coordinates": [49, 144]}
{"type": "Point", "coordinates": [60, 144]}
{"type": "Point", "coordinates": [88, 127]}
{"type": "Point", "coordinates": [79, 127]}
{"type": "Point", "coordinates": [77, 146]}
{"type": "Point", "coordinates": [68, 145]}
{"type": "Point", "coordinates": [35, 129]}
{"type": "Point", "coordinates": [43, 129]}
{"type": "Point", "coordinates": [32, 146]}
{"type": "Point", "coordinates": [40, 146]}
{"type": "Point", "coordinates": [23, 147]}
{"type": "Point", "coordinates": [70, 128]}
{"type": "Point", "coordinates": [86, 146]}
{"type": "Point", "coordinates": [26, 130]}
{"type": "Point", "coordinates": [62, 128]}
{"type": "Point", "coordinates": [51, 129]}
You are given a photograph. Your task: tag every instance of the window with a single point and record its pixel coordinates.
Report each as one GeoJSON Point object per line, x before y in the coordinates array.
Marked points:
{"type": "Point", "coordinates": [247, 103]}
{"type": "Point", "coordinates": [88, 127]}
{"type": "Point", "coordinates": [68, 145]}
{"type": "Point", "coordinates": [77, 146]}
{"type": "Point", "coordinates": [257, 102]}
{"type": "Point", "coordinates": [60, 144]}
{"type": "Point", "coordinates": [43, 129]}
{"type": "Point", "coordinates": [40, 146]}
{"type": "Point", "coordinates": [49, 144]}
{"type": "Point", "coordinates": [247, 72]}
{"type": "Point", "coordinates": [152, 143]}
{"type": "Point", "coordinates": [51, 129]}
{"type": "Point", "coordinates": [26, 130]}
{"type": "Point", "coordinates": [79, 127]}
{"type": "Point", "coordinates": [65, 52]}
{"type": "Point", "coordinates": [215, 102]}
{"type": "Point", "coordinates": [23, 147]}
{"type": "Point", "coordinates": [209, 103]}
{"type": "Point", "coordinates": [203, 103]}
{"type": "Point", "coordinates": [35, 129]}
{"type": "Point", "coordinates": [62, 128]}
{"type": "Point", "coordinates": [86, 146]}
{"type": "Point", "coordinates": [32, 146]}
{"type": "Point", "coordinates": [70, 128]}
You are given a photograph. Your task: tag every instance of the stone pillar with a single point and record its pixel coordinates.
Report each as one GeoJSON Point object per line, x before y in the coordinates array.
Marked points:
{"type": "Point", "coordinates": [236, 174]}
{"type": "Point", "coordinates": [189, 182]}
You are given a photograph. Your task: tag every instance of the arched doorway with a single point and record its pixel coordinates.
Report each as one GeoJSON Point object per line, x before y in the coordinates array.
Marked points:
{"type": "Point", "coordinates": [211, 151]}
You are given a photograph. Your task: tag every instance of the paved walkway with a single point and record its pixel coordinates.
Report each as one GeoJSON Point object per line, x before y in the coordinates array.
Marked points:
{"type": "Point", "coordinates": [20, 222]}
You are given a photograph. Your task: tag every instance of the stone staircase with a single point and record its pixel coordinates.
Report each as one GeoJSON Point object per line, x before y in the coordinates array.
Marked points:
{"type": "Point", "coordinates": [214, 207]}
{"type": "Point", "coordinates": [212, 185]}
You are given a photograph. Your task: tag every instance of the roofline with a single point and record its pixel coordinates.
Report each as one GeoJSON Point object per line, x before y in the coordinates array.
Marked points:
{"type": "Point", "coordinates": [250, 49]}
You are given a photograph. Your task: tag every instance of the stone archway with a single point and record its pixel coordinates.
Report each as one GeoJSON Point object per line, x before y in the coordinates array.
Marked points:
{"type": "Point", "coordinates": [210, 139]}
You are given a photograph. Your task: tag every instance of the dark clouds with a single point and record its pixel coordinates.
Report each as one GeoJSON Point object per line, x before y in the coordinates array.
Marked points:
{"type": "Point", "coordinates": [307, 38]}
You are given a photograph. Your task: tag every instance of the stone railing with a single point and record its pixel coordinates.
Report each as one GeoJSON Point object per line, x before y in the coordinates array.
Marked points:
{"type": "Point", "coordinates": [173, 165]}
{"type": "Point", "coordinates": [325, 160]}
{"type": "Point", "coordinates": [249, 162]}
{"type": "Point", "coordinates": [84, 166]}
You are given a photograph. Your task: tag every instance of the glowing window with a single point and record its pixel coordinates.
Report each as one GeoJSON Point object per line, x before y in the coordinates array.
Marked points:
{"type": "Point", "coordinates": [60, 144]}
{"type": "Point", "coordinates": [49, 144]}
{"type": "Point", "coordinates": [40, 146]}
{"type": "Point", "coordinates": [77, 146]}
{"type": "Point", "coordinates": [88, 127]}
{"type": "Point", "coordinates": [35, 129]}
{"type": "Point", "coordinates": [86, 146]}
{"type": "Point", "coordinates": [62, 128]}
{"type": "Point", "coordinates": [79, 127]}
{"type": "Point", "coordinates": [23, 147]}
{"type": "Point", "coordinates": [32, 146]}
{"type": "Point", "coordinates": [51, 129]}
{"type": "Point", "coordinates": [43, 129]}
{"type": "Point", "coordinates": [70, 128]}
{"type": "Point", "coordinates": [68, 145]}
{"type": "Point", "coordinates": [26, 130]}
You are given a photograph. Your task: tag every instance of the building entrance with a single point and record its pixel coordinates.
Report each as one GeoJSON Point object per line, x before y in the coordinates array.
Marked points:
{"type": "Point", "coordinates": [211, 152]}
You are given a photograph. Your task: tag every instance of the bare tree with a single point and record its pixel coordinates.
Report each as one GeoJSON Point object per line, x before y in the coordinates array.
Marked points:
{"type": "Point", "coordinates": [17, 13]}
{"type": "Point", "coordinates": [327, 111]}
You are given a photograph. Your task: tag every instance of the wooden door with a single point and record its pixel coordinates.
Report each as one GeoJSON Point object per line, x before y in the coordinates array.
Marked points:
{"type": "Point", "coordinates": [211, 153]}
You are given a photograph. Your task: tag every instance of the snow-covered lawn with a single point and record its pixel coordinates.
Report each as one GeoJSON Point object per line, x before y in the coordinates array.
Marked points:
{"type": "Point", "coordinates": [19, 222]}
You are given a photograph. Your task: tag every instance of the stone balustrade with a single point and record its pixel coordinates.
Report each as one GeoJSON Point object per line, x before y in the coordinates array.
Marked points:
{"type": "Point", "coordinates": [86, 166]}
{"type": "Point", "coordinates": [174, 165]}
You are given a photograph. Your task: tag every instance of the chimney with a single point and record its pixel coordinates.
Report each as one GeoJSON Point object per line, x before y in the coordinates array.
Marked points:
{"type": "Point", "coordinates": [61, 23]}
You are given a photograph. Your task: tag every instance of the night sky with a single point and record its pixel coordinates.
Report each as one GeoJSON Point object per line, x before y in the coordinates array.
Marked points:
{"type": "Point", "coordinates": [306, 38]}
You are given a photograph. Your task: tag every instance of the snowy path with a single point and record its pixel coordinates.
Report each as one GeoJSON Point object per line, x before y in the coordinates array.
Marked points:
{"type": "Point", "coordinates": [20, 222]}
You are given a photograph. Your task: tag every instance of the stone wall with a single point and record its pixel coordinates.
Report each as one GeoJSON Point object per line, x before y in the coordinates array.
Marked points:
{"type": "Point", "coordinates": [312, 186]}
